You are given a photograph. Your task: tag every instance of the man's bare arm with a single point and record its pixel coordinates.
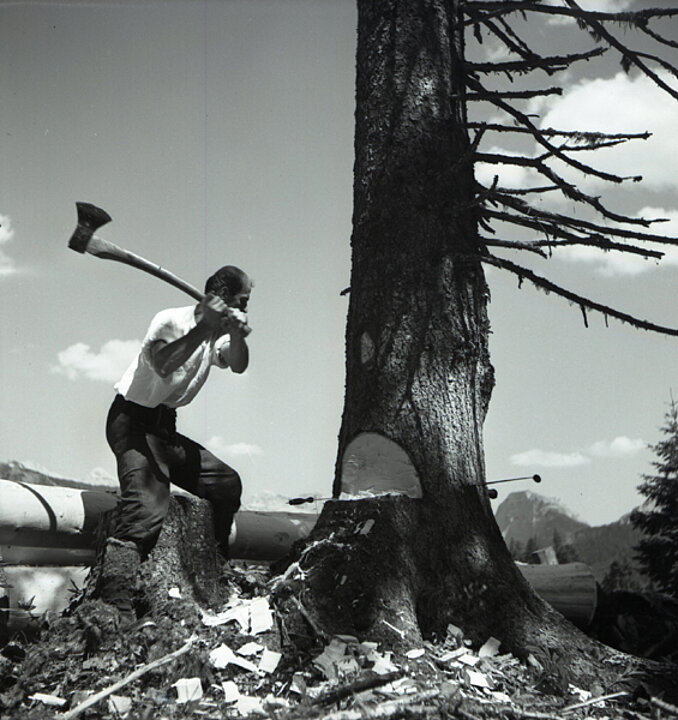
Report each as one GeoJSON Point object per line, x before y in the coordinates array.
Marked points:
{"type": "Point", "coordinates": [168, 357]}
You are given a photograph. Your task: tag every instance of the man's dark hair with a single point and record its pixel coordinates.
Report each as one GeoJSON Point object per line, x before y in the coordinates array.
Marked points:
{"type": "Point", "coordinates": [227, 281]}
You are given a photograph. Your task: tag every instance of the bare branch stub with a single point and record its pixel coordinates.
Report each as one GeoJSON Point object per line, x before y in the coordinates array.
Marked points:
{"type": "Point", "coordinates": [547, 286]}
{"type": "Point", "coordinates": [494, 17]}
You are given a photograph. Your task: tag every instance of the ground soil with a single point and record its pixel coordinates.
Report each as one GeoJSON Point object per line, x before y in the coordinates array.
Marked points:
{"type": "Point", "coordinates": [86, 651]}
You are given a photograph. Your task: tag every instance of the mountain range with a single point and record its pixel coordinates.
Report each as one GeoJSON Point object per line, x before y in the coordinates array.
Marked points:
{"type": "Point", "coordinates": [523, 516]}
{"type": "Point", "coordinates": [526, 515]}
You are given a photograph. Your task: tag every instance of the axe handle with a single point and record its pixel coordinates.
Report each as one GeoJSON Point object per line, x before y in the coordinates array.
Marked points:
{"type": "Point", "coordinates": [110, 251]}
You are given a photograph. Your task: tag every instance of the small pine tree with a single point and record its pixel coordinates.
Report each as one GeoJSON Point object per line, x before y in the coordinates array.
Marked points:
{"type": "Point", "coordinates": [516, 549]}
{"type": "Point", "coordinates": [565, 552]}
{"type": "Point", "coordinates": [619, 576]}
{"type": "Point", "coordinates": [658, 519]}
{"type": "Point", "coordinates": [530, 550]}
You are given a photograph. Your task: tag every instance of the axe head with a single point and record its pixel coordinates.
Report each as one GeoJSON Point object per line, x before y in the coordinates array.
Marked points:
{"type": "Point", "coordinates": [90, 217]}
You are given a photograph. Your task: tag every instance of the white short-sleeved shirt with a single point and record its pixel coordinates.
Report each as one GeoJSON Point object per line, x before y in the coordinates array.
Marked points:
{"type": "Point", "coordinates": [142, 385]}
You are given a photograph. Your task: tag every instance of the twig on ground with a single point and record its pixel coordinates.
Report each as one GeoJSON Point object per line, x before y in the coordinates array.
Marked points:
{"type": "Point", "coordinates": [359, 685]}
{"type": "Point", "coordinates": [94, 699]}
{"type": "Point", "coordinates": [385, 710]}
{"type": "Point", "coordinates": [663, 705]}
{"type": "Point", "coordinates": [594, 700]}
{"type": "Point", "coordinates": [304, 612]}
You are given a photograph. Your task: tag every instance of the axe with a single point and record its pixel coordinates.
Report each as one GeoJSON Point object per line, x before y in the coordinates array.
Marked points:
{"type": "Point", "coordinates": [83, 240]}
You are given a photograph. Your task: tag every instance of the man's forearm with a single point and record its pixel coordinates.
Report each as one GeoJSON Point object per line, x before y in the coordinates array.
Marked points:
{"type": "Point", "coordinates": [170, 357]}
{"type": "Point", "coordinates": [238, 353]}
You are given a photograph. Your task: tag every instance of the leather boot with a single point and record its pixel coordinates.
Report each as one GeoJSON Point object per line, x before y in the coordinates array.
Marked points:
{"type": "Point", "coordinates": [118, 578]}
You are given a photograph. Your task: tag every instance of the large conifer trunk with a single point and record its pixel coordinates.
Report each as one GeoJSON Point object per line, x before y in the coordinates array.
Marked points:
{"type": "Point", "coordinates": [419, 378]}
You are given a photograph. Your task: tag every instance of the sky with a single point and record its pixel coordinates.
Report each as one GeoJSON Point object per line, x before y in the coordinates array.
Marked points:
{"type": "Point", "coordinates": [222, 133]}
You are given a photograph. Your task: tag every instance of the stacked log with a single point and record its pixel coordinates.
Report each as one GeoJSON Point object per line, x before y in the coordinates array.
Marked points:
{"type": "Point", "coordinates": [47, 541]}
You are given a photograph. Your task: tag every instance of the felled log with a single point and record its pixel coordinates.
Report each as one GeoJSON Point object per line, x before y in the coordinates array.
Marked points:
{"type": "Point", "coordinates": [44, 516]}
{"type": "Point", "coordinates": [570, 588]}
{"type": "Point", "coordinates": [50, 525]}
{"type": "Point", "coordinates": [53, 526]}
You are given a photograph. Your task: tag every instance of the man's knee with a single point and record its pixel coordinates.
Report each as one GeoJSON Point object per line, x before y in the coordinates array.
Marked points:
{"type": "Point", "coordinates": [139, 523]}
{"type": "Point", "coordinates": [223, 487]}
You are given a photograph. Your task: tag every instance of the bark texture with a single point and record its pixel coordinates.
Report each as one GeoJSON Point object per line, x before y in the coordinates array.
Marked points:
{"type": "Point", "coordinates": [418, 372]}
{"type": "Point", "coordinates": [184, 557]}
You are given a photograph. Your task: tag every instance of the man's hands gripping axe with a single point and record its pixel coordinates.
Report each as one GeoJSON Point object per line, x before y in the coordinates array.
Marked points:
{"type": "Point", "coordinates": [83, 240]}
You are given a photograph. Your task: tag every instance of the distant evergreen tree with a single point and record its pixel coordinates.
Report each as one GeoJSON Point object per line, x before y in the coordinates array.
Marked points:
{"type": "Point", "coordinates": [619, 576]}
{"type": "Point", "coordinates": [516, 549]}
{"type": "Point", "coordinates": [565, 552]}
{"type": "Point", "coordinates": [531, 548]}
{"type": "Point", "coordinates": [658, 519]}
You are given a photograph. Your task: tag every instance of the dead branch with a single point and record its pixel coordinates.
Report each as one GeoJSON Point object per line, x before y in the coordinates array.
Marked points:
{"type": "Point", "coordinates": [524, 120]}
{"type": "Point", "coordinates": [663, 705]}
{"type": "Point", "coordinates": [384, 710]}
{"type": "Point", "coordinates": [568, 189]}
{"type": "Point", "coordinates": [513, 245]}
{"type": "Point", "coordinates": [631, 57]}
{"type": "Point", "coordinates": [550, 132]}
{"type": "Point", "coordinates": [556, 62]}
{"type": "Point", "coordinates": [579, 224]}
{"type": "Point", "coordinates": [548, 227]}
{"type": "Point", "coordinates": [500, 7]}
{"type": "Point", "coordinates": [594, 700]}
{"type": "Point", "coordinates": [359, 685]}
{"type": "Point", "coordinates": [489, 95]}
{"type": "Point", "coordinates": [584, 303]}
{"type": "Point", "coordinates": [642, 26]}
{"type": "Point", "coordinates": [94, 699]}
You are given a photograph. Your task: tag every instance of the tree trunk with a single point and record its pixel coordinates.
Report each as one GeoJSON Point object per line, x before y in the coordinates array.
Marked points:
{"type": "Point", "coordinates": [396, 568]}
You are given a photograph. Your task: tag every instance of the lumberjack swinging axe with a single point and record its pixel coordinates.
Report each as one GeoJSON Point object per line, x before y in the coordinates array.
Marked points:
{"type": "Point", "coordinates": [83, 240]}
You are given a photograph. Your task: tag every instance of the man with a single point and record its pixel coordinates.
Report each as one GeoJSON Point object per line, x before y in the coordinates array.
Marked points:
{"type": "Point", "coordinates": [176, 355]}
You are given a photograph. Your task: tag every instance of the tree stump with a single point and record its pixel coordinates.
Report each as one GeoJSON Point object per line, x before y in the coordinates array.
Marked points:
{"type": "Point", "coordinates": [184, 558]}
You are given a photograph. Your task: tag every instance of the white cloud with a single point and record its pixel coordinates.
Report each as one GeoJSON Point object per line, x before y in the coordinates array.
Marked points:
{"type": "Point", "coordinates": [107, 365]}
{"type": "Point", "coordinates": [620, 447]}
{"type": "Point", "coordinates": [596, 5]}
{"type": "Point", "coordinates": [614, 263]}
{"type": "Point", "coordinates": [7, 265]}
{"type": "Point", "coordinates": [543, 458]}
{"type": "Point", "coordinates": [220, 447]}
{"type": "Point", "coordinates": [621, 104]}
{"type": "Point", "coordinates": [510, 176]}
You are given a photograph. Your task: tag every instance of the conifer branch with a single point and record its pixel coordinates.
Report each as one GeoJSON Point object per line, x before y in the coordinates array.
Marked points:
{"type": "Point", "coordinates": [524, 120]}
{"type": "Point", "coordinates": [556, 62]}
{"type": "Point", "coordinates": [643, 27]}
{"type": "Point", "coordinates": [550, 132]}
{"type": "Point", "coordinates": [570, 191]}
{"type": "Point", "coordinates": [567, 237]}
{"type": "Point", "coordinates": [584, 303]}
{"type": "Point", "coordinates": [489, 95]}
{"type": "Point", "coordinates": [579, 224]}
{"type": "Point", "coordinates": [629, 57]}
{"type": "Point", "coordinates": [496, 8]}
{"type": "Point", "coordinates": [513, 245]}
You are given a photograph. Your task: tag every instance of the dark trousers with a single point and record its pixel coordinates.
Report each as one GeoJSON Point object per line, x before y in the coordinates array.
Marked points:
{"type": "Point", "coordinates": [151, 454]}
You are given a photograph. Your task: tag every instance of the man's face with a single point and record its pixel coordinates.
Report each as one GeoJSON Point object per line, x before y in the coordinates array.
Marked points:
{"type": "Point", "coordinates": [239, 300]}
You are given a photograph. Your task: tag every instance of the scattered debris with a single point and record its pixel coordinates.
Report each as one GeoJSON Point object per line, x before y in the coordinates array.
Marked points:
{"type": "Point", "coordinates": [188, 689]}
{"type": "Point", "coordinates": [239, 662]}
{"type": "Point", "coordinates": [119, 705]}
{"type": "Point", "coordinates": [46, 699]}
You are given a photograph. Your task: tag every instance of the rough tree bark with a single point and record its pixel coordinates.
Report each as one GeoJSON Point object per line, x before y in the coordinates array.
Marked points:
{"type": "Point", "coordinates": [395, 568]}
{"type": "Point", "coordinates": [184, 557]}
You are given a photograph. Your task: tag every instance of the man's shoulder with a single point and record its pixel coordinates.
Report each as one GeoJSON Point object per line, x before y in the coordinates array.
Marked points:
{"type": "Point", "coordinates": [177, 319]}
{"type": "Point", "coordinates": [184, 314]}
